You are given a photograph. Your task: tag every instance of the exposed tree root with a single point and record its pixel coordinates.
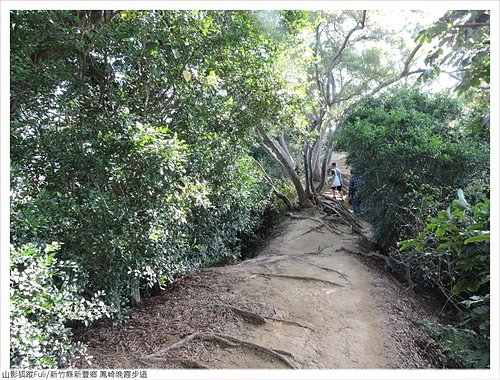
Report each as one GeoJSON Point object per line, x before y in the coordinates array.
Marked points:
{"type": "Point", "coordinates": [288, 322]}
{"type": "Point", "coordinates": [301, 278]}
{"type": "Point", "coordinates": [344, 276]}
{"type": "Point", "coordinates": [258, 319]}
{"type": "Point", "coordinates": [371, 254]}
{"type": "Point", "coordinates": [278, 354]}
{"type": "Point", "coordinates": [225, 340]}
{"type": "Point", "coordinates": [186, 363]}
{"type": "Point", "coordinates": [315, 229]}
{"type": "Point", "coordinates": [316, 252]}
{"type": "Point", "coordinates": [339, 210]}
{"type": "Point", "coordinates": [196, 336]}
{"type": "Point", "coordinates": [322, 222]}
{"type": "Point", "coordinates": [248, 315]}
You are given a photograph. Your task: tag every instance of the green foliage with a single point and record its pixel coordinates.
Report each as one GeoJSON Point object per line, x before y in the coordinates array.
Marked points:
{"type": "Point", "coordinates": [452, 347]}
{"type": "Point", "coordinates": [46, 295]}
{"type": "Point", "coordinates": [412, 150]}
{"type": "Point", "coordinates": [455, 246]}
{"type": "Point", "coordinates": [131, 143]}
{"type": "Point", "coordinates": [452, 254]}
{"type": "Point", "coordinates": [463, 42]}
{"type": "Point", "coordinates": [295, 20]}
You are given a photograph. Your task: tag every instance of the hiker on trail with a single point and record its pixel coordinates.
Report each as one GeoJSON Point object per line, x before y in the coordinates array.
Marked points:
{"type": "Point", "coordinates": [336, 181]}
{"type": "Point", "coordinates": [354, 187]}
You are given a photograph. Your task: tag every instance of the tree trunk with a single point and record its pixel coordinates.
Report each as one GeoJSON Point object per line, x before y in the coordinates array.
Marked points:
{"type": "Point", "coordinates": [326, 160]}
{"type": "Point", "coordinates": [316, 156]}
{"type": "Point", "coordinates": [289, 204]}
{"type": "Point", "coordinates": [279, 153]}
{"type": "Point", "coordinates": [307, 173]}
{"type": "Point", "coordinates": [284, 146]}
{"type": "Point", "coordinates": [135, 295]}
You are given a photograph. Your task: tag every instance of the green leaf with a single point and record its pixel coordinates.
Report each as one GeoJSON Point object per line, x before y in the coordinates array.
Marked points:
{"type": "Point", "coordinates": [441, 27]}
{"type": "Point", "coordinates": [152, 47]}
{"type": "Point", "coordinates": [477, 238]}
{"type": "Point", "coordinates": [440, 231]}
{"type": "Point", "coordinates": [459, 287]}
{"type": "Point", "coordinates": [128, 15]}
{"type": "Point", "coordinates": [422, 38]}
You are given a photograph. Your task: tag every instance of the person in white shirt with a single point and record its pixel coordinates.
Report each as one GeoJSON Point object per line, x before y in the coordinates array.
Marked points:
{"type": "Point", "coordinates": [336, 181]}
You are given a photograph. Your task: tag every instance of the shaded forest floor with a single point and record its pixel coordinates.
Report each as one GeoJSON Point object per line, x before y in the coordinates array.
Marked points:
{"type": "Point", "coordinates": [308, 300]}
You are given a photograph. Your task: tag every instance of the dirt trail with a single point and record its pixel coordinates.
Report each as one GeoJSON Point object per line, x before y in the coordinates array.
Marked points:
{"type": "Point", "coordinates": [316, 303]}
{"type": "Point", "coordinates": [329, 292]}
{"type": "Point", "coordinates": [323, 307]}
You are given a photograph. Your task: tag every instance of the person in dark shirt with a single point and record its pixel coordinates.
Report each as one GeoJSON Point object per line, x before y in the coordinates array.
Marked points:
{"type": "Point", "coordinates": [354, 186]}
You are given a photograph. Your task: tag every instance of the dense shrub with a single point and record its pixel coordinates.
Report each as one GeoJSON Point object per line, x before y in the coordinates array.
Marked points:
{"type": "Point", "coordinates": [412, 150]}
{"type": "Point", "coordinates": [449, 346]}
{"type": "Point", "coordinates": [131, 145]}
{"type": "Point", "coordinates": [46, 295]}
{"type": "Point", "coordinates": [452, 254]}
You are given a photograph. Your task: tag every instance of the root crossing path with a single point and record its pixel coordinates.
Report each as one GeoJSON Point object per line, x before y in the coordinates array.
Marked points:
{"type": "Point", "coordinates": [306, 301]}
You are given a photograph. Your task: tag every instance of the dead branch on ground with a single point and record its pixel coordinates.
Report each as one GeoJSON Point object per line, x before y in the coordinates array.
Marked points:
{"type": "Point", "coordinates": [339, 210]}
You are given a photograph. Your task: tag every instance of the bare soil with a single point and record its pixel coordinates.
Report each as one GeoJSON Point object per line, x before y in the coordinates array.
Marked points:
{"type": "Point", "coordinates": [321, 305]}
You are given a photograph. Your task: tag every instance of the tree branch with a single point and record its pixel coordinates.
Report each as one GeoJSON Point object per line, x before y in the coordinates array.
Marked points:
{"type": "Point", "coordinates": [471, 25]}
{"type": "Point", "coordinates": [330, 95]}
{"type": "Point", "coordinates": [360, 25]}
{"type": "Point", "coordinates": [274, 157]}
{"type": "Point", "coordinates": [316, 67]}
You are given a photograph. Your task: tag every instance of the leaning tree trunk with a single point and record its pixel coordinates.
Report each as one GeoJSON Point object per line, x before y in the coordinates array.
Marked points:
{"type": "Point", "coordinates": [284, 146]}
{"type": "Point", "coordinates": [316, 156]}
{"type": "Point", "coordinates": [289, 204]}
{"type": "Point", "coordinates": [307, 170]}
{"type": "Point", "coordinates": [285, 160]}
{"type": "Point", "coordinates": [326, 161]}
